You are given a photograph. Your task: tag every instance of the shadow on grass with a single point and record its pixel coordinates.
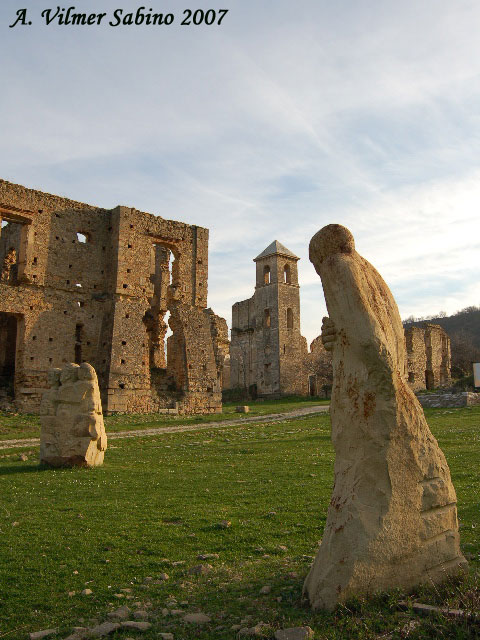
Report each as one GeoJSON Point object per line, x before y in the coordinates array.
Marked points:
{"type": "Point", "coordinates": [5, 471]}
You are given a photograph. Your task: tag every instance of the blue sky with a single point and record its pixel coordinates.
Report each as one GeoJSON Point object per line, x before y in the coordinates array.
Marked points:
{"type": "Point", "coordinates": [287, 117]}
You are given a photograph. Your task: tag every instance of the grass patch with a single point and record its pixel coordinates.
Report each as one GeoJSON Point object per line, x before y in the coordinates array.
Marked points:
{"type": "Point", "coordinates": [159, 500]}
{"type": "Point", "coordinates": [15, 426]}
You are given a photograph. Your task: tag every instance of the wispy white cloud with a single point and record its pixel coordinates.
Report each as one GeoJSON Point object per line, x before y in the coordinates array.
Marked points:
{"type": "Point", "coordinates": [278, 122]}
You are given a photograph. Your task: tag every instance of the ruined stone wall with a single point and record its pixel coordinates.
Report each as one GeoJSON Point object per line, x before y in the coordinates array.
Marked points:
{"type": "Point", "coordinates": [416, 357]}
{"type": "Point", "coordinates": [221, 347]}
{"type": "Point", "coordinates": [318, 363]}
{"type": "Point", "coordinates": [94, 285]}
{"type": "Point", "coordinates": [439, 400]}
{"type": "Point", "coordinates": [428, 357]}
{"type": "Point", "coordinates": [242, 346]}
{"type": "Point", "coordinates": [437, 346]}
{"type": "Point", "coordinates": [292, 345]}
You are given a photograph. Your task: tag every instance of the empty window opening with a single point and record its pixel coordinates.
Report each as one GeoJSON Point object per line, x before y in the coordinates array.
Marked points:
{"type": "Point", "coordinates": [82, 237]}
{"type": "Point", "coordinates": [289, 318]}
{"type": "Point", "coordinates": [122, 361]}
{"type": "Point", "coordinates": [266, 318]}
{"type": "Point", "coordinates": [429, 380]}
{"type": "Point", "coordinates": [121, 385]}
{"type": "Point", "coordinates": [312, 385]}
{"type": "Point", "coordinates": [266, 274]}
{"type": "Point", "coordinates": [125, 286]}
{"type": "Point", "coordinates": [10, 243]}
{"type": "Point", "coordinates": [287, 275]}
{"type": "Point", "coordinates": [124, 342]}
{"type": "Point", "coordinates": [157, 317]}
{"type": "Point", "coordinates": [8, 348]}
{"type": "Point", "coordinates": [35, 260]}
{"type": "Point", "coordinates": [411, 376]}
{"type": "Point", "coordinates": [78, 343]}
{"type": "Point", "coordinates": [34, 337]}
{"type": "Point", "coordinates": [80, 303]}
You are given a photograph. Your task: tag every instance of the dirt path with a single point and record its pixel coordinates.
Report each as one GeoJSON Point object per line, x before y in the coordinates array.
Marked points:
{"type": "Point", "coordinates": [271, 417]}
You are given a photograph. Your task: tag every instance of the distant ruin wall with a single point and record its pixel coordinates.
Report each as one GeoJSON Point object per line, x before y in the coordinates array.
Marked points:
{"type": "Point", "coordinates": [439, 400]}
{"type": "Point", "coordinates": [97, 285]}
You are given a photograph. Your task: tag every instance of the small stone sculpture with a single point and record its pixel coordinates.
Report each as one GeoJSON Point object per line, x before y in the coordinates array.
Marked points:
{"type": "Point", "coordinates": [392, 519]}
{"type": "Point", "coordinates": [73, 432]}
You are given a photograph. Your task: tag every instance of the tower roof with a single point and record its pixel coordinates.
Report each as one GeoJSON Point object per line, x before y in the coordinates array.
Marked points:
{"type": "Point", "coordinates": [274, 248]}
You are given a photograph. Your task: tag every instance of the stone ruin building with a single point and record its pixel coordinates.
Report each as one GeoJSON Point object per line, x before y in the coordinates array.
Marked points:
{"type": "Point", "coordinates": [269, 356]}
{"type": "Point", "coordinates": [428, 357]}
{"type": "Point", "coordinates": [318, 364]}
{"type": "Point", "coordinates": [267, 350]}
{"type": "Point", "coordinates": [428, 360]}
{"type": "Point", "coordinates": [82, 283]}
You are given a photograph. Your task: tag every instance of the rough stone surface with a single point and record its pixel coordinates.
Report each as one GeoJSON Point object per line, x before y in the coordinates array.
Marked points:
{"type": "Point", "coordinates": [437, 400]}
{"type": "Point", "coordinates": [72, 428]}
{"type": "Point", "coordinates": [200, 570]}
{"type": "Point", "coordinates": [121, 613]}
{"type": "Point", "coordinates": [135, 624]}
{"type": "Point", "coordinates": [38, 635]}
{"type": "Point", "coordinates": [392, 519]}
{"type": "Point", "coordinates": [242, 409]}
{"type": "Point", "coordinates": [104, 629]}
{"type": "Point", "coordinates": [294, 633]}
{"type": "Point", "coordinates": [258, 631]}
{"type": "Point", "coordinates": [428, 357]}
{"type": "Point", "coordinates": [197, 618]}
{"type": "Point", "coordinates": [267, 351]}
{"type": "Point", "coordinates": [82, 283]}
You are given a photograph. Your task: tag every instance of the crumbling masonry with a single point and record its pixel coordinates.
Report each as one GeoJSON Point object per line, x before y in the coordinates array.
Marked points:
{"type": "Point", "coordinates": [81, 283]}
{"type": "Point", "coordinates": [429, 357]}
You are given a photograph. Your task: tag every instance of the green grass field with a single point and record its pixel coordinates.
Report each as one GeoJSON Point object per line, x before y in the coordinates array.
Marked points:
{"type": "Point", "coordinates": [28, 426]}
{"type": "Point", "coordinates": [159, 500]}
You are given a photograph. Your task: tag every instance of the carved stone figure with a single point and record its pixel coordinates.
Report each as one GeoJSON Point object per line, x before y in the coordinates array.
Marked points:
{"type": "Point", "coordinates": [392, 519]}
{"type": "Point", "coordinates": [49, 442]}
{"type": "Point", "coordinates": [73, 432]}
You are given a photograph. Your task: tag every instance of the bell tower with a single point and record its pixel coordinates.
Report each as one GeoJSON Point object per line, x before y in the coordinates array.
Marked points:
{"type": "Point", "coordinates": [280, 348]}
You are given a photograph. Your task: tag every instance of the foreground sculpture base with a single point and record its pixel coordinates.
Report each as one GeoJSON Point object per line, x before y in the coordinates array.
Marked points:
{"type": "Point", "coordinates": [73, 432]}
{"type": "Point", "coordinates": [91, 458]}
{"type": "Point", "coordinates": [392, 519]}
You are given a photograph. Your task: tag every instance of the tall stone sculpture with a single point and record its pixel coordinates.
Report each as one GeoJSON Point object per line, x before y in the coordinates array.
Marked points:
{"type": "Point", "coordinates": [392, 519]}
{"type": "Point", "coordinates": [73, 432]}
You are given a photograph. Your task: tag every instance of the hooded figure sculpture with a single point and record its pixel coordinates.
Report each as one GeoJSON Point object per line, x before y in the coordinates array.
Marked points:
{"type": "Point", "coordinates": [392, 519]}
